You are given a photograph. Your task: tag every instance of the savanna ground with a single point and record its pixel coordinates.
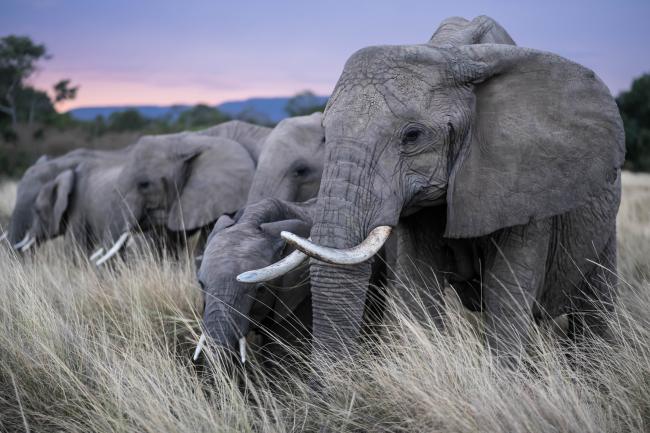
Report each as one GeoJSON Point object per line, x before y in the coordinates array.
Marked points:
{"type": "Point", "coordinates": [109, 351]}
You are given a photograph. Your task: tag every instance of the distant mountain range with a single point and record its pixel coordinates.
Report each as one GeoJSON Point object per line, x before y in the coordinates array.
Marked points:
{"type": "Point", "coordinates": [270, 110]}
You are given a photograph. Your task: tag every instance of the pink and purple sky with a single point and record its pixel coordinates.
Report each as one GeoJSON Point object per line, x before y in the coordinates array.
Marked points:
{"type": "Point", "coordinates": [164, 52]}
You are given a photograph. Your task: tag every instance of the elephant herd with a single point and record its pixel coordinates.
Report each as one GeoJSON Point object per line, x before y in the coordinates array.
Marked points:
{"type": "Point", "coordinates": [466, 162]}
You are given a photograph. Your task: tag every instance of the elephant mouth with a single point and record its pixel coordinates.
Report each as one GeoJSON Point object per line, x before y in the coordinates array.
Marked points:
{"type": "Point", "coordinates": [423, 200]}
{"type": "Point", "coordinates": [153, 217]}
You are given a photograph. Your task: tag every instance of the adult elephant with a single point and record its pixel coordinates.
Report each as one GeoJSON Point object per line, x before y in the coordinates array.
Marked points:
{"type": "Point", "coordinates": [180, 183]}
{"type": "Point", "coordinates": [81, 202]}
{"type": "Point", "coordinates": [44, 171]}
{"type": "Point", "coordinates": [496, 165]}
{"type": "Point", "coordinates": [175, 184]}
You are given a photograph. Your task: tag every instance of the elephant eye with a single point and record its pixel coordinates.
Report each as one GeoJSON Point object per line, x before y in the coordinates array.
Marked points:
{"type": "Point", "coordinates": [411, 136]}
{"type": "Point", "coordinates": [143, 184]}
{"type": "Point", "coordinates": [301, 171]}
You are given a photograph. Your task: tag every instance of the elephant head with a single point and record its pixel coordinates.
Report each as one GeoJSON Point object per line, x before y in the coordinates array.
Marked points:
{"type": "Point", "coordinates": [230, 305]}
{"type": "Point", "coordinates": [83, 203]}
{"type": "Point", "coordinates": [499, 135]}
{"type": "Point", "coordinates": [182, 182]}
{"type": "Point", "coordinates": [42, 173]}
{"type": "Point", "coordinates": [291, 163]}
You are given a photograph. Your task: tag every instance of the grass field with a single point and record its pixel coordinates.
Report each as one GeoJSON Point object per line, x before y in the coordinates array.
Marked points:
{"type": "Point", "coordinates": [109, 351]}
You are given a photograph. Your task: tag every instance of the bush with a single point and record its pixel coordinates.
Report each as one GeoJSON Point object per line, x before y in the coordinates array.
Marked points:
{"type": "Point", "coordinates": [634, 105]}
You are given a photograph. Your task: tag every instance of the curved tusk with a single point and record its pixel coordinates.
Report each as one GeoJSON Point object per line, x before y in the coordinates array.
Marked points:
{"type": "Point", "coordinates": [278, 269]}
{"type": "Point", "coordinates": [96, 254]}
{"type": "Point", "coordinates": [28, 245]}
{"type": "Point", "coordinates": [199, 347]}
{"type": "Point", "coordinates": [114, 249]}
{"type": "Point", "coordinates": [3, 237]}
{"type": "Point", "coordinates": [22, 243]}
{"type": "Point", "coordinates": [242, 349]}
{"type": "Point", "coordinates": [349, 256]}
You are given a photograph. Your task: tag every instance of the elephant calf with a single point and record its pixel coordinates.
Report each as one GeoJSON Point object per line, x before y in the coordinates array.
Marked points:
{"type": "Point", "coordinates": [230, 306]}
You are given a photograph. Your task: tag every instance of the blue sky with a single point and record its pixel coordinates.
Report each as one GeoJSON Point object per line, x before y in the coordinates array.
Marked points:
{"type": "Point", "coordinates": [164, 52]}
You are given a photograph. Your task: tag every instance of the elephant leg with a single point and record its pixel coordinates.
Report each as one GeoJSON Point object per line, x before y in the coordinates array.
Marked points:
{"type": "Point", "coordinates": [419, 277]}
{"type": "Point", "coordinates": [515, 266]}
{"type": "Point", "coordinates": [594, 305]}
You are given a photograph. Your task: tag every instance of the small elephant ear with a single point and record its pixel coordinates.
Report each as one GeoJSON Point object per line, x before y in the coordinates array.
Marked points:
{"type": "Point", "coordinates": [55, 197]}
{"type": "Point", "coordinates": [217, 183]}
{"type": "Point", "coordinates": [64, 185]}
{"type": "Point", "coordinates": [546, 138]}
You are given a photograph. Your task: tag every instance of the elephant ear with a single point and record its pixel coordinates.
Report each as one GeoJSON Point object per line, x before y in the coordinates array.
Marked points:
{"type": "Point", "coordinates": [54, 198]}
{"type": "Point", "coordinates": [546, 138]}
{"type": "Point", "coordinates": [217, 182]}
{"type": "Point", "coordinates": [456, 31]}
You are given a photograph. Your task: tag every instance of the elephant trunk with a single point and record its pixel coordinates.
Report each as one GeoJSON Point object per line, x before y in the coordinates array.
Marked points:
{"type": "Point", "coordinates": [266, 184]}
{"type": "Point", "coordinates": [349, 206]}
{"type": "Point", "coordinates": [226, 316]}
{"type": "Point", "coordinates": [21, 220]}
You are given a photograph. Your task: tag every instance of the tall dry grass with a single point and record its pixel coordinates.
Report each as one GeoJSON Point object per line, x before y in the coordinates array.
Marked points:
{"type": "Point", "coordinates": [109, 351]}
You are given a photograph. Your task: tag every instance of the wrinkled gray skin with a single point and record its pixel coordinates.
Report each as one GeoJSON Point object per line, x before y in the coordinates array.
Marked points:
{"type": "Point", "coordinates": [231, 306]}
{"type": "Point", "coordinates": [82, 202]}
{"type": "Point", "coordinates": [45, 170]}
{"type": "Point", "coordinates": [494, 164]}
{"type": "Point", "coordinates": [183, 182]}
{"type": "Point", "coordinates": [289, 168]}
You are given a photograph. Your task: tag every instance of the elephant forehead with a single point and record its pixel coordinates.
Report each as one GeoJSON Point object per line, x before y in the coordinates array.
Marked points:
{"type": "Point", "coordinates": [393, 80]}
{"type": "Point", "coordinates": [359, 108]}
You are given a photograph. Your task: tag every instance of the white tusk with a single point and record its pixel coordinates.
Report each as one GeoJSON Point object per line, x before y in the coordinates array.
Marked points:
{"type": "Point", "coordinates": [28, 245]}
{"type": "Point", "coordinates": [3, 237]}
{"type": "Point", "coordinates": [114, 249]}
{"type": "Point", "coordinates": [348, 256]}
{"type": "Point", "coordinates": [96, 254]}
{"type": "Point", "coordinates": [242, 349]}
{"type": "Point", "coordinates": [22, 243]}
{"type": "Point", "coordinates": [199, 347]}
{"type": "Point", "coordinates": [287, 264]}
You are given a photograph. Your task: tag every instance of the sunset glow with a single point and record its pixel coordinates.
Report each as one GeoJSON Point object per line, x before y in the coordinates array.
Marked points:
{"type": "Point", "coordinates": [159, 52]}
